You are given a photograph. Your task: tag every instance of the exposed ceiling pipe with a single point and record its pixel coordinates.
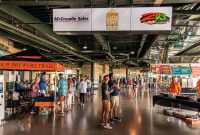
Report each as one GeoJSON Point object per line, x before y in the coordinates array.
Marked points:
{"type": "Point", "coordinates": [105, 46]}
{"type": "Point", "coordinates": [39, 40]}
{"type": "Point", "coordinates": [144, 37]}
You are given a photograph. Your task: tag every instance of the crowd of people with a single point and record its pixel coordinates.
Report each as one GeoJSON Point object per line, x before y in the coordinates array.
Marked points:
{"type": "Point", "coordinates": [69, 90]}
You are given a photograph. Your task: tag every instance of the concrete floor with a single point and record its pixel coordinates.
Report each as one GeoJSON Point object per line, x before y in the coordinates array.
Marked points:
{"type": "Point", "coordinates": [138, 118]}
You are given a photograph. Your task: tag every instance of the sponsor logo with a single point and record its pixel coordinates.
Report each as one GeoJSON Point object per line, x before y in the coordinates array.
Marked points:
{"type": "Point", "coordinates": [71, 19]}
{"type": "Point", "coordinates": [154, 18]}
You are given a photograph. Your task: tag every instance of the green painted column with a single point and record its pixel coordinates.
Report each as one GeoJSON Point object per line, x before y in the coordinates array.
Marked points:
{"type": "Point", "coordinates": [110, 69]}
{"type": "Point", "coordinates": [126, 72]}
{"type": "Point", "coordinates": [166, 54]}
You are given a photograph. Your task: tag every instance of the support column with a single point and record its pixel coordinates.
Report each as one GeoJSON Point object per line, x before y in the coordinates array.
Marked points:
{"type": "Point", "coordinates": [166, 54]}
{"type": "Point", "coordinates": [110, 69]}
{"type": "Point", "coordinates": [126, 72]}
{"type": "Point", "coordinates": [92, 76]}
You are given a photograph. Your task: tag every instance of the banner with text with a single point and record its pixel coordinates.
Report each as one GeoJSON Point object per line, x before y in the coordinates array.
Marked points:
{"type": "Point", "coordinates": [72, 19]}
{"type": "Point", "coordinates": [113, 19]}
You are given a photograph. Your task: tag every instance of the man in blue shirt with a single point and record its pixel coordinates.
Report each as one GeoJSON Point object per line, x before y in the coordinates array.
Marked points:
{"type": "Point", "coordinates": [62, 91]}
{"type": "Point", "coordinates": [113, 84]}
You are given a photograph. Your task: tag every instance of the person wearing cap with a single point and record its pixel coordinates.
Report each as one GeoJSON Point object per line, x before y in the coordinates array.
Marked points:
{"type": "Point", "coordinates": [62, 89]}
{"type": "Point", "coordinates": [175, 87]}
{"type": "Point", "coordinates": [113, 85]}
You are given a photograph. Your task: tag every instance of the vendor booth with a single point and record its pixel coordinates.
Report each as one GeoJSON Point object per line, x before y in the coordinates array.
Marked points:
{"type": "Point", "coordinates": [28, 60]}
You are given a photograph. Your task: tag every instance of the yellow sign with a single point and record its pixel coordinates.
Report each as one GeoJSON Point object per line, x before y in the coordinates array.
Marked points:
{"type": "Point", "coordinates": [112, 20]}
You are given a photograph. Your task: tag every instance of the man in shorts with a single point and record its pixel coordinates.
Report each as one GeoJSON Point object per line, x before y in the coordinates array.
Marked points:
{"type": "Point", "coordinates": [105, 102]}
{"type": "Point", "coordinates": [113, 84]}
{"type": "Point", "coordinates": [62, 90]}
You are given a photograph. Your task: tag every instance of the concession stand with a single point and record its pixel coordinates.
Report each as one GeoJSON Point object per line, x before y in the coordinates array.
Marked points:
{"type": "Point", "coordinates": [29, 60]}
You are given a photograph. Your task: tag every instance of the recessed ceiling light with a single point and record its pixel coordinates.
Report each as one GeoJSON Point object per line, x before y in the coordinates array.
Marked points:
{"type": "Point", "coordinates": [114, 47]}
{"type": "Point", "coordinates": [85, 47]}
{"type": "Point", "coordinates": [132, 52]}
{"type": "Point", "coordinates": [24, 49]}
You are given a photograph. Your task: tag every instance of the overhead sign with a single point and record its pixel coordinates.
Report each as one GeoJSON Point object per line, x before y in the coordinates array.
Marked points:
{"type": "Point", "coordinates": [151, 18]}
{"type": "Point", "coordinates": [111, 19]}
{"type": "Point", "coordinates": [195, 69]}
{"type": "Point", "coordinates": [72, 19]}
{"type": "Point", "coordinates": [160, 68]}
{"type": "Point", "coordinates": [181, 69]}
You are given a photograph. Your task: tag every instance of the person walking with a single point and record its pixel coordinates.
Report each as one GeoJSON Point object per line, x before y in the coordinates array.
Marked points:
{"type": "Point", "coordinates": [62, 89]}
{"type": "Point", "coordinates": [105, 102]}
{"type": "Point", "coordinates": [70, 93]}
{"type": "Point", "coordinates": [135, 88]}
{"type": "Point", "coordinates": [89, 85]}
{"type": "Point", "coordinates": [82, 91]}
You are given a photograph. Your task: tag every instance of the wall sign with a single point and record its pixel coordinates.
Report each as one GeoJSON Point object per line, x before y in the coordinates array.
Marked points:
{"type": "Point", "coordinates": [151, 18]}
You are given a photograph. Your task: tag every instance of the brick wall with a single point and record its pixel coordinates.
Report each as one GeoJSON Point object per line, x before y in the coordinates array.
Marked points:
{"type": "Point", "coordinates": [86, 70]}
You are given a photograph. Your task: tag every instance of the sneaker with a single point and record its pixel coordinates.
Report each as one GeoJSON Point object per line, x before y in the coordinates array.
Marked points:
{"type": "Point", "coordinates": [107, 127]}
{"type": "Point", "coordinates": [117, 119]}
{"type": "Point", "coordinates": [111, 121]}
{"type": "Point", "coordinates": [61, 113]}
{"type": "Point", "coordinates": [102, 124]}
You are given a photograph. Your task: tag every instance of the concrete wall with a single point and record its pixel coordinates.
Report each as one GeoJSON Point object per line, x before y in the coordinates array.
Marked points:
{"type": "Point", "coordinates": [86, 70]}
{"type": "Point", "coordinates": [120, 71]}
{"type": "Point", "coordinates": [7, 45]}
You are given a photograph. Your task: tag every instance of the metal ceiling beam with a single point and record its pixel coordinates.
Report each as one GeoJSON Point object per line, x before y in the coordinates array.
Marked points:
{"type": "Point", "coordinates": [43, 42]}
{"type": "Point", "coordinates": [25, 17]}
{"type": "Point", "coordinates": [105, 45]}
{"type": "Point", "coordinates": [144, 37]}
{"type": "Point", "coordinates": [186, 12]}
{"type": "Point", "coordinates": [23, 41]}
{"type": "Point", "coordinates": [40, 3]}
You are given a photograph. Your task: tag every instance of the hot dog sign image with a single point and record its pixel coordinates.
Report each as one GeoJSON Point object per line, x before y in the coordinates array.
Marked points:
{"type": "Point", "coordinates": [112, 20]}
{"type": "Point", "coordinates": [154, 18]}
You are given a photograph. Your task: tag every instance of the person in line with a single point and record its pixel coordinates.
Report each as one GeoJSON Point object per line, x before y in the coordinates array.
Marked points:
{"type": "Point", "coordinates": [34, 92]}
{"type": "Point", "coordinates": [42, 84]}
{"type": "Point", "coordinates": [113, 85]}
{"type": "Point", "coordinates": [69, 93]}
{"type": "Point", "coordinates": [62, 88]}
{"type": "Point", "coordinates": [74, 90]}
{"type": "Point", "coordinates": [175, 87]}
{"type": "Point", "coordinates": [89, 86]}
{"type": "Point", "coordinates": [135, 88]}
{"type": "Point", "coordinates": [82, 91]}
{"type": "Point", "coordinates": [105, 102]}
